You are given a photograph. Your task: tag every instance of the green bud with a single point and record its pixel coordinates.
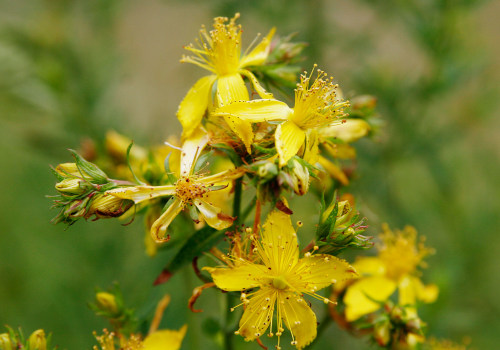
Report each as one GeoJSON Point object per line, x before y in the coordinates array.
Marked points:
{"type": "Point", "coordinates": [107, 302]}
{"type": "Point", "coordinates": [73, 186]}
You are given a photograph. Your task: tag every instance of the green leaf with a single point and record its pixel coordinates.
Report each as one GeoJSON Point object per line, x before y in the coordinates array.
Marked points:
{"type": "Point", "coordinates": [326, 226]}
{"type": "Point", "coordinates": [130, 166]}
{"type": "Point", "coordinates": [229, 151]}
{"type": "Point", "coordinates": [201, 241]}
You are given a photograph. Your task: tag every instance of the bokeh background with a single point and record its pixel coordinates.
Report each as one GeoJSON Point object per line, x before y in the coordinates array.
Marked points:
{"type": "Point", "coordinates": [71, 70]}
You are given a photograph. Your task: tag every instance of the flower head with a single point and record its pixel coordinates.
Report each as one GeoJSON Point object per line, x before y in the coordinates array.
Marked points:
{"type": "Point", "coordinates": [282, 278]}
{"type": "Point", "coordinates": [219, 51]}
{"type": "Point", "coordinates": [189, 190]}
{"type": "Point", "coordinates": [395, 267]}
{"type": "Point", "coordinates": [316, 106]}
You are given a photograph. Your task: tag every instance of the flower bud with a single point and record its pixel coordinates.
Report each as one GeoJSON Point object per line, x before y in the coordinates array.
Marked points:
{"type": "Point", "coordinates": [107, 302]}
{"type": "Point", "coordinates": [300, 178]}
{"type": "Point", "coordinates": [267, 170]}
{"type": "Point", "coordinates": [73, 186]}
{"type": "Point", "coordinates": [5, 342]}
{"type": "Point", "coordinates": [37, 340]}
{"type": "Point", "coordinates": [382, 333]}
{"type": "Point", "coordinates": [108, 206]}
{"type": "Point", "coordinates": [67, 169]}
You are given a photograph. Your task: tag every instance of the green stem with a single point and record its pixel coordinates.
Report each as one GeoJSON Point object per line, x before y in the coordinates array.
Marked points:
{"type": "Point", "coordinates": [228, 331]}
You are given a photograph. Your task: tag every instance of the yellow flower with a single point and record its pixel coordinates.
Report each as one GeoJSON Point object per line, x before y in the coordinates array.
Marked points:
{"type": "Point", "coordinates": [219, 52]}
{"type": "Point", "coordinates": [395, 267]}
{"type": "Point", "coordinates": [316, 106]}
{"type": "Point", "coordinates": [190, 189]}
{"type": "Point", "coordinates": [282, 279]}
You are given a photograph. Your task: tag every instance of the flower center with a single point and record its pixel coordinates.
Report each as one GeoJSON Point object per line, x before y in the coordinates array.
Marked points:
{"type": "Point", "coordinates": [279, 283]}
{"type": "Point", "coordinates": [187, 189]}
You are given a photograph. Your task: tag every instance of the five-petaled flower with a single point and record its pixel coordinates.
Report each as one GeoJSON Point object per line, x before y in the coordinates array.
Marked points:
{"type": "Point", "coordinates": [189, 189]}
{"type": "Point", "coordinates": [316, 106]}
{"type": "Point", "coordinates": [395, 267]}
{"type": "Point", "coordinates": [282, 278]}
{"type": "Point", "coordinates": [219, 51]}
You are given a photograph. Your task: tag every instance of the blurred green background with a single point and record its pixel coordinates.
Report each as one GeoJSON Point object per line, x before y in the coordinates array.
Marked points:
{"type": "Point", "coordinates": [70, 70]}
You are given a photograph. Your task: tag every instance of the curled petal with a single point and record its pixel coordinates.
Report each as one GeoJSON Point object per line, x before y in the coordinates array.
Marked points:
{"type": "Point", "coordinates": [255, 84]}
{"type": "Point", "coordinates": [259, 54]}
{"type": "Point", "coordinates": [160, 226]}
{"type": "Point", "coordinates": [194, 104]}
{"type": "Point", "coordinates": [289, 139]}
{"type": "Point", "coordinates": [191, 149]}
{"type": "Point", "coordinates": [196, 294]}
{"type": "Point", "coordinates": [243, 129]}
{"type": "Point", "coordinates": [142, 193]}
{"type": "Point", "coordinates": [213, 215]}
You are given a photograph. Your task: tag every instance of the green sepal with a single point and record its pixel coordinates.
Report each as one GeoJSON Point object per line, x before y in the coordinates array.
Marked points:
{"type": "Point", "coordinates": [171, 178]}
{"type": "Point", "coordinates": [229, 151]}
{"type": "Point", "coordinates": [327, 225]}
{"type": "Point", "coordinates": [86, 167]}
{"type": "Point", "coordinates": [130, 166]}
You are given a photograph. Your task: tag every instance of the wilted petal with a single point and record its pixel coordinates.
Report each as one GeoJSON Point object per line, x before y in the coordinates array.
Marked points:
{"type": "Point", "coordinates": [213, 215]}
{"type": "Point", "coordinates": [194, 104]}
{"type": "Point", "coordinates": [298, 318]}
{"type": "Point", "coordinates": [142, 193]}
{"type": "Point", "coordinates": [289, 139]}
{"type": "Point", "coordinates": [364, 296]}
{"type": "Point", "coordinates": [160, 226]}
{"type": "Point", "coordinates": [191, 149]}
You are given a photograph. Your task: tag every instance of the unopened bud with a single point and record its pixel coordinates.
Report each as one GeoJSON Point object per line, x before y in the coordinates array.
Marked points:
{"type": "Point", "coordinates": [5, 342]}
{"type": "Point", "coordinates": [267, 170]}
{"type": "Point", "coordinates": [108, 206]}
{"type": "Point", "coordinates": [73, 186]}
{"type": "Point", "coordinates": [382, 333]}
{"type": "Point", "coordinates": [107, 302]}
{"type": "Point", "coordinates": [70, 169]}
{"type": "Point", "coordinates": [300, 178]}
{"type": "Point", "coordinates": [37, 340]}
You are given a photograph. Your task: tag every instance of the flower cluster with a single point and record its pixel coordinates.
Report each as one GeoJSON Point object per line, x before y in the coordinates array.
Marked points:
{"type": "Point", "coordinates": [241, 144]}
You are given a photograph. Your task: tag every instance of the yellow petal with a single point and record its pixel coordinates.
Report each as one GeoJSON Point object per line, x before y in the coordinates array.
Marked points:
{"type": "Point", "coordinates": [194, 104]}
{"type": "Point", "coordinates": [160, 226]}
{"type": "Point", "coordinates": [165, 339]}
{"type": "Point", "coordinates": [258, 314]}
{"type": "Point", "coordinates": [319, 271]}
{"type": "Point", "coordinates": [142, 193]}
{"type": "Point", "coordinates": [213, 215]}
{"type": "Point", "coordinates": [410, 289]}
{"type": "Point", "coordinates": [256, 85]}
{"type": "Point", "coordinates": [349, 131]}
{"type": "Point", "coordinates": [224, 176]}
{"type": "Point", "coordinates": [279, 249]}
{"type": "Point", "coordinates": [259, 54]}
{"type": "Point", "coordinates": [332, 169]}
{"type": "Point", "coordinates": [231, 88]}
{"type": "Point", "coordinates": [359, 296]}
{"type": "Point", "coordinates": [369, 266]}
{"type": "Point", "coordinates": [256, 111]}
{"type": "Point", "coordinates": [298, 318]}
{"type": "Point", "coordinates": [242, 129]}
{"type": "Point", "coordinates": [289, 139]}
{"type": "Point", "coordinates": [239, 278]}
{"type": "Point", "coordinates": [191, 150]}
{"type": "Point", "coordinates": [340, 150]}
{"type": "Point", "coordinates": [311, 151]}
